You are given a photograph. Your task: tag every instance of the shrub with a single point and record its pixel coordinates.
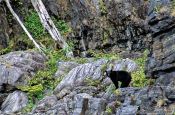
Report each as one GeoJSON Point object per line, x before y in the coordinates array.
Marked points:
{"type": "Point", "coordinates": [138, 77]}
{"type": "Point", "coordinates": [33, 24]}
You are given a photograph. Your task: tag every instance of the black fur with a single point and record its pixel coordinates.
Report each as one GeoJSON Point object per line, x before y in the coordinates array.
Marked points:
{"type": "Point", "coordinates": [121, 76]}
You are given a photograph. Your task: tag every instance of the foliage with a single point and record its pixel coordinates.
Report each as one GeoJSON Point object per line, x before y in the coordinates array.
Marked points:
{"type": "Point", "coordinates": [138, 77]}
{"type": "Point", "coordinates": [81, 60]}
{"type": "Point", "coordinates": [62, 26]}
{"type": "Point", "coordinates": [110, 89]}
{"type": "Point", "coordinates": [173, 8]}
{"type": "Point", "coordinates": [33, 24]}
{"type": "Point", "coordinates": [108, 56]}
{"type": "Point", "coordinates": [108, 111]}
{"type": "Point", "coordinates": [103, 8]}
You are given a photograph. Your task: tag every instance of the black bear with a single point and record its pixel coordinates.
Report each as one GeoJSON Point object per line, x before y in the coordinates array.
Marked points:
{"type": "Point", "coordinates": [123, 76]}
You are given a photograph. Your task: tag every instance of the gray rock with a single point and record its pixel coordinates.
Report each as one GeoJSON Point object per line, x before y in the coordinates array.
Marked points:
{"type": "Point", "coordinates": [17, 67]}
{"type": "Point", "coordinates": [97, 106]}
{"type": "Point", "coordinates": [14, 102]}
{"type": "Point", "coordinates": [78, 75]}
{"type": "Point", "coordinates": [85, 104]}
{"type": "Point", "coordinates": [128, 110]}
{"type": "Point", "coordinates": [161, 57]}
{"type": "Point", "coordinates": [81, 103]}
{"type": "Point", "coordinates": [64, 68]}
{"type": "Point", "coordinates": [45, 104]}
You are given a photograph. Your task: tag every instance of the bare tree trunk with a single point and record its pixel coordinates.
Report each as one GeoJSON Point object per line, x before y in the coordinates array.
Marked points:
{"type": "Point", "coordinates": [22, 25]}
{"type": "Point", "coordinates": [49, 25]}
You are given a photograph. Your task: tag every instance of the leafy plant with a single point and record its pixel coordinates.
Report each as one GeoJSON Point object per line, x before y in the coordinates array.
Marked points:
{"type": "Point", "coordinates": [138, 77]}
{"type": "Point", "coordinates": [33, 24]}
{"type": "Point", "coordinates": [62, 26]}
{"type": "Point", "coordinates": [43, 79]}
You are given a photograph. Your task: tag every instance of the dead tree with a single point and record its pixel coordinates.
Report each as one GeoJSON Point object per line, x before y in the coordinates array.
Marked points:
{"type": "Point", "coordinates": [21, 24]}
{"type": "Point", "coordinates": [49, 26]}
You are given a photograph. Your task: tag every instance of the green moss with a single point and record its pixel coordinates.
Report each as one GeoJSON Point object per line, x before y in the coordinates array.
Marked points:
{"type": "Point", "coordinates": [80, 60]}
{"type": "Point", "coordinates": [62, 26]}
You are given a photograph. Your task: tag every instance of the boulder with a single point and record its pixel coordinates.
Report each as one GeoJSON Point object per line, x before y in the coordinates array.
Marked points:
{"type": "Point", "coordinates": [14, 102]}
{"type": "Point", "coordinates": [18, 67]}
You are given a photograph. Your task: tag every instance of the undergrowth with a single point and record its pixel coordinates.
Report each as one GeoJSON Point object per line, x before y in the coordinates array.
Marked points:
{"type": "Point", "coordinates": [138, 77]}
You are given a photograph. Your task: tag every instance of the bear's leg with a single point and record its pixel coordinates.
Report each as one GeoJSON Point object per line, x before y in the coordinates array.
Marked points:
{"type": "Point", "coordinates": [116, 84]}
{"type": "Point", "coordinates": [125, 84]}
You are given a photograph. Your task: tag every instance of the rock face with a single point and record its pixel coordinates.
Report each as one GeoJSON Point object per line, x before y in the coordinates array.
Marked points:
{"type": "Point", "coordinates": [14, 102]}
{"type": "Point", "coordinates": [110, 25]}
{"type": "Point", "coordinates": [161, 58]}
{"type": "Point", "coordinates": [114, 25]}
{"type": "Point", "coordinates": [17, 67]}
{"type": "Point", "coordinates": [3, 28]}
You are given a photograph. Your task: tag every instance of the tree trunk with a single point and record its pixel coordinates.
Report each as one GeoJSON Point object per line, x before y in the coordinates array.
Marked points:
{"type": "Point", "coordinates": [49, 25]}
{"type": "Point", "coordinates": [22, 25]}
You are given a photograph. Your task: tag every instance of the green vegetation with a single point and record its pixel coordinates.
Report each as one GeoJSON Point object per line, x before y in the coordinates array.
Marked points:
{"type": "Point", "coordinates": [103, 8]}
{"type": "Point", "coordinates": [62, 26]}
{"type": "Point", "coordinates": [33, 24]}
{"type": "Point", "coordinates": [101, 55]}
{"type": "Point", "coordinates": [138, 77]}
{"type": "Point", "coordinates": [8, 49]}
{"type": "Point", "coordinates": [108, 111]}
{"type": "Point", "coordinates": [43, 80]}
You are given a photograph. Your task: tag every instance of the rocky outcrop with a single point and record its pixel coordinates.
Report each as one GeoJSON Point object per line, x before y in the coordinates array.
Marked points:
{"type": "Point", "coordinates": [82, 90]}
{"type": "Point", "coordinates": [14, 102]}
{"type": "Point", "coordinates": [18, 67]}
{"type": "Point", "coordinates": [161, 58]}
{"type": "Point", "coordinates": [90, 71]}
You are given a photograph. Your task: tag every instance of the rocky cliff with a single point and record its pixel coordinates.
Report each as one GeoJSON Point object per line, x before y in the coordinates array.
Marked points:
{"type": "Point", "coordinates": [72, 88]}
